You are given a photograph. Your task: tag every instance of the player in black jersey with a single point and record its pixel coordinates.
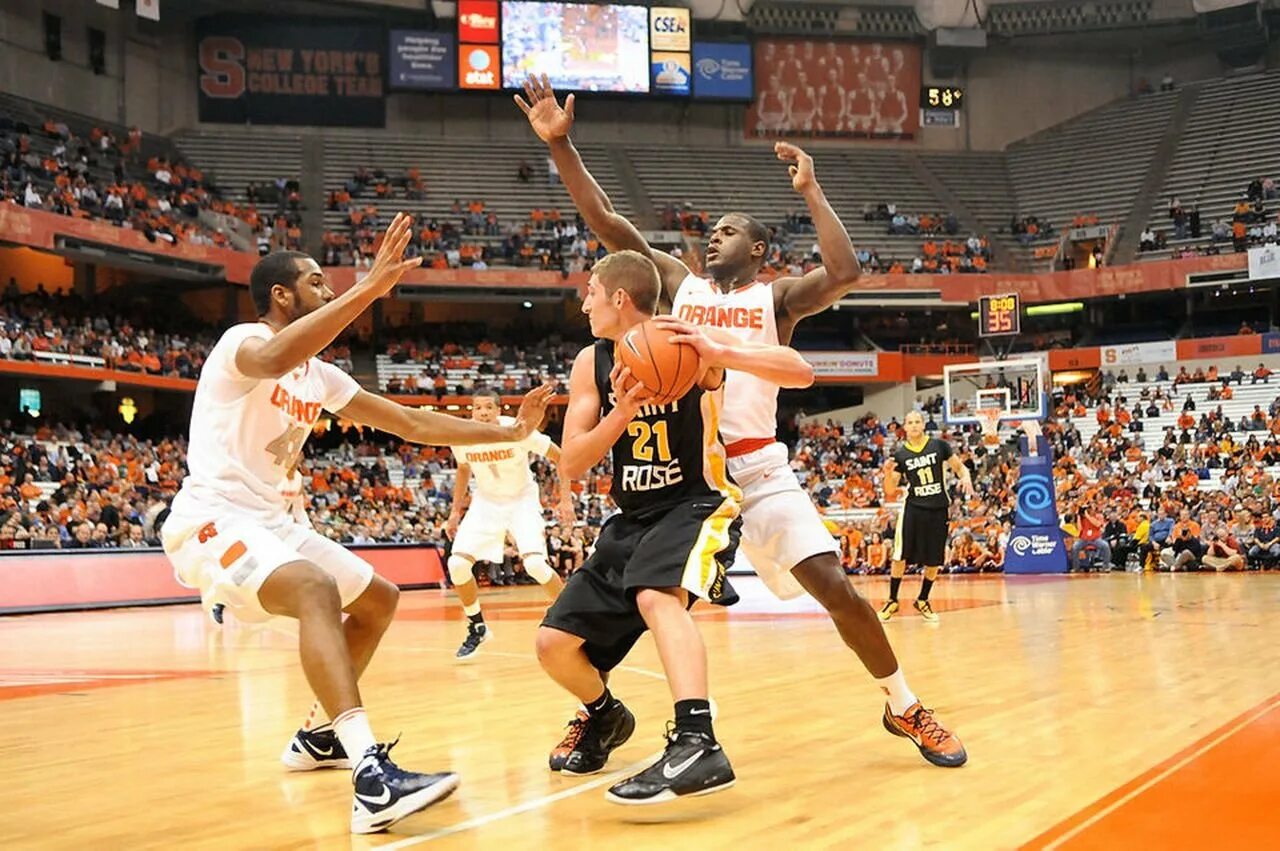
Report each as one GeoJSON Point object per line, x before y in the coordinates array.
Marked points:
{"type": "Point", "coordinates": [921, 534]}
{"type": "Point", "coordinates": [669, 546]}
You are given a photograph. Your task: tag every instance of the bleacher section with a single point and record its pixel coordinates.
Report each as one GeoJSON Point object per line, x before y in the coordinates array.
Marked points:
{"type": "Point", "coordinates": [234, 158]}
{"type": "Point", "coordinates": [462, 170]}
{"type": "Point", "coordinates": [1228, 142]}
{"type": "Point", "coordinates": [525, 376]}
{"type": "Point", "coordinates": [752, 180]}
{"type": "Point", "coordinates": [1238, 408]}
{"type": "Point", "coordinates": [1095, 163]}
{"type": "Point", "coordinates": [981, 181]}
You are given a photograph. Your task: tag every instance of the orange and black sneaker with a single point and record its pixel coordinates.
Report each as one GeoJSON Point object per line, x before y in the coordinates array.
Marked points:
{"type": "Point", "coordinates": [937, 744]}
{"type": "Point", "coordinates": [577, 728]}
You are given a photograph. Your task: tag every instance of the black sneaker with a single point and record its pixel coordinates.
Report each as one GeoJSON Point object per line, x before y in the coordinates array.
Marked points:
{"type": "Point", "coordinates": [312, 749]}
{"type": "Point", "coordinates": [477, 634]}
{"type": "Point", "coordinates": [604, 734]}
{"type": "Point", "coordinates": [386, 793]}
{"type": "Point", "coordinates": [693, 764]}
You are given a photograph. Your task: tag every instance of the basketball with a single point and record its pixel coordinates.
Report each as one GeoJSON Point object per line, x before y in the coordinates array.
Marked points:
{"type": "Point", "coordinates": [665, 368]}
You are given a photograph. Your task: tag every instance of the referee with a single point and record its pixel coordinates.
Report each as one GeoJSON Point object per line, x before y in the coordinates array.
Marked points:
{"type": "Point", "coordinates": [921, 534]}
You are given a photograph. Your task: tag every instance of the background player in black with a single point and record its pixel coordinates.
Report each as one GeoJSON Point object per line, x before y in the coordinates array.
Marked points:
{"type": "Point", "coordinates": [677, 531]}
{"type": "Point", "coordinates": [921, 534]}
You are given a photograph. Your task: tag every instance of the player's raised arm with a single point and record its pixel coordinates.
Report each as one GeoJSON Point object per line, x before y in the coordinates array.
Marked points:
{"type": "Point", "coordinates": [552, 123]}
{"type": "Point", "coordinates": [780, 365]}
{"type": "Point", "coordinates": [303, 338]}
{"type": "Point", "coordinates": [435, 429]}
{"type": "Point", "coordinates": [587, 437]}
{"type": "Point", "coordinates": [815, 291]}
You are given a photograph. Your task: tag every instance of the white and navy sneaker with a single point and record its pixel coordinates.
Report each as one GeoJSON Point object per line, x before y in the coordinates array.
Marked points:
{"type": "Point", "coordinates": [693, 764]}
{"type": "Point", "coordinates": [386, 793]}
{"type": "Point", "coordinates": [477, 634]}
{"type": "Point", "coordinates": [312, 749]}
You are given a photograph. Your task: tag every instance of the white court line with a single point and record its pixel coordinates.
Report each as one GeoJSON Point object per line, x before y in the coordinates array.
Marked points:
{"type": "Point", "coordinates": [527, 806]}
{"type": "Point", "coordinates": [1177, 766]}
{"type": "Point", "coordinates": [536, 803]}
{"type": "Point", "coordinates": [641, 671]}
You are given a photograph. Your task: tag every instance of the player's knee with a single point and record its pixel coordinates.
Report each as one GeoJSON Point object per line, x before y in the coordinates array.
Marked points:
{"type": "Point", "coordinates": [460, 569]}
{"type": "Point", "coordinates": [317, 589]}
{"type": "Point", "coordinates": [651, 601]}
{"type": "Point", "coordinates": [378, 602]}
{"type": "Point", "coordinates": [536, 565]}
{"type": "Point", "coordinates": [550, 644]}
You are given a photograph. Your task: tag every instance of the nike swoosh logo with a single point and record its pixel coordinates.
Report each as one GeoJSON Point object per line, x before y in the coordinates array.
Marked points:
{"type": "Point", "coordinates": [671, 772]}
{"type": "Point", "coordinates": [699, 711]}
{"type": "Point", "coordinates": [382, 799]}
{"type": "Point", "coordinates": [315, 750]}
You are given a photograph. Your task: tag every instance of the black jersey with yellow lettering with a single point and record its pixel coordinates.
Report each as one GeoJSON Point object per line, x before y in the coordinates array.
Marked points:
{"type": "Point", "coordinates": [669, 454]}
{"type": "Point", "coordinates": [923, 472]}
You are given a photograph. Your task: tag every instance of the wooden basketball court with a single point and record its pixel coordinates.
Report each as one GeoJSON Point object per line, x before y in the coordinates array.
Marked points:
{"type": "Point", "coordinates": [1117, 711]}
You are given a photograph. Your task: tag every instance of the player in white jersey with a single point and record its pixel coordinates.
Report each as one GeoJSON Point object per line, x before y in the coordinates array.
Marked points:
{"type": "Point", "coordinates": [504, 502]}
{"type": "Point", "coordinates": [234, 533]}
{"type": "Point", "coordinates": [782, 534]}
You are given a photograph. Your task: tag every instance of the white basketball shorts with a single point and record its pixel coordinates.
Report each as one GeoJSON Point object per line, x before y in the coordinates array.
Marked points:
{"type": "Point", "coordinates": [780, 525]}
{"type": "Point", "coordinates": [483, 530]}
{"type": "Point", "coordinates": [228, 557]}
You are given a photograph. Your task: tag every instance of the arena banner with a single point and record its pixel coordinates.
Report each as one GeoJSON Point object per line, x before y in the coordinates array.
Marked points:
{"type": "Point", "coordinates": [843, 364]}
{"type": "Point", "coordinates": [1264, 262]}
{"type": "Point", "coordinates": [722, 70]}
{"type": "Point", "coordinates": [835, 88]}
{"type": "Point", "coordinates": [297, 71]}
{"type": "Point", "coordinates": [422, 61]}
{"type": "Point", "coordinates": [1270, 343]}
{"type": "Point", "coordinates": [50, 580]}
{"type": "Point", "coordinates": [1164, 351]}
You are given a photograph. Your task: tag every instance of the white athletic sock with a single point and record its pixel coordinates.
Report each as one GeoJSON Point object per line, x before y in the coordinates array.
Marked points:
{"type": "Point", "coordinates": [317, 719]}
{"type": "Point", "coordinates": [472, 610]}
{"type": "Point", "coordinates": [354, 732]}
{"type": "Point", "coordinates": [895, 686]}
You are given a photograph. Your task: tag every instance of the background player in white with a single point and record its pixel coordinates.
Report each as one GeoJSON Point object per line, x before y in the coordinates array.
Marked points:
{"type": "Point", "coordinates": [782, 534]}
{"type": "Point", "coordinates": [505, 502]}
{"type": "Point", "coordinates": [232, 532]}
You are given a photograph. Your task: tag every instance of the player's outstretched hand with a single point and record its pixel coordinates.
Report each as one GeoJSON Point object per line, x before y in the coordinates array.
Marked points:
{"type": "Point", "coordinates": [628, 401]}
{"type": "Point", "coordinates": [389, 265]}
{"type": "Point", "coordinates": [533, 408]}
{"type": "Point", "coordinates": [694, 336]}
{"type": "Point", "coordinates": [801, 168]}
{"type": "Point", "coordinates": [564, 513]}
{"type": "Point", "coordinates": [545, 115]}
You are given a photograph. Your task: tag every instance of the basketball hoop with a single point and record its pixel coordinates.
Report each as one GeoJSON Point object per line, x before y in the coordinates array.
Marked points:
{"type": "Point", "coordinates": [990, 420]}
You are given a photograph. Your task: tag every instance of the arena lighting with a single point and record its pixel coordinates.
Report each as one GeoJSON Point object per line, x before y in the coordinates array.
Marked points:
{"type": "Point", "coordinates": [1054, 309]}
{"type": "Point", "coordinates": [451, 408]}
{"type": "Point", "coordinates": [1047, 309]}
{"type": "Point", "coordinates": [128, 410]}
{"type": "Point", "coordinates": [527, 305]}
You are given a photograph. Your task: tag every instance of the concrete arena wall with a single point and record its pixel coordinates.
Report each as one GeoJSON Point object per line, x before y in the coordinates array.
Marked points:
{"type": "Point", "coordinates": [1012, 91]}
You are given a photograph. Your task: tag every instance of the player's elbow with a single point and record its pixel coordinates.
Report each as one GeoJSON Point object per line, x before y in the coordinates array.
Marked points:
{"type": "Point", "coordinates": [799, 376]}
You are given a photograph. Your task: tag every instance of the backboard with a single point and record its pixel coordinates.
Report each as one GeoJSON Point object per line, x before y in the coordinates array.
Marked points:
{"type": "Point", "coordinates": [1019, 388]}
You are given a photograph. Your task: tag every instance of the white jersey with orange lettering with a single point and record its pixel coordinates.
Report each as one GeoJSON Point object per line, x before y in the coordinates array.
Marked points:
{"type": "Point", "coordinates": [504, 500]}
{"type": "Point", "coordinates": [232, 524]}
{"type": "Point", "coordinates": [780, 526]}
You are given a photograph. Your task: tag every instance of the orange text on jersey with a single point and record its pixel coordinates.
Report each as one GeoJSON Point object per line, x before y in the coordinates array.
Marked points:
{"type": "Point", "coordinates": [723, 317]}
{"type": "Point", "coordinates": [304, 412]}
{"type": "Point", "coordinates": [490, 456]}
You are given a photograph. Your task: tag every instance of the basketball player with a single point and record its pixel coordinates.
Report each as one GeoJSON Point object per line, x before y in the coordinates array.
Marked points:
{"type": "Point", "coordinates": [676, 532]}
{"type": "Point", "coordinates": [233, 533]}
{"type": "Point", "coordinates": [782, 534]}
{"type": "Point", "coordinates": [921, 534]}
{"type": "Point", "coordinates": [505, 502]}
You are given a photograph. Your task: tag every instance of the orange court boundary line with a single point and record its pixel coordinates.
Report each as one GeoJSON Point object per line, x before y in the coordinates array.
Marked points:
{"type": "Point", "coordinates": [1121, 795]}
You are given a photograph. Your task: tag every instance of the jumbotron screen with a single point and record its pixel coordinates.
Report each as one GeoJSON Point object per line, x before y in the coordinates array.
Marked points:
{"type": "Point", "coordinates": [586, 48]}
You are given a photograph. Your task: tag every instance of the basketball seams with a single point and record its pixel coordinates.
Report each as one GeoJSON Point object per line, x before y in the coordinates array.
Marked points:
{"type": "Point", "coordinates": [653, 361]}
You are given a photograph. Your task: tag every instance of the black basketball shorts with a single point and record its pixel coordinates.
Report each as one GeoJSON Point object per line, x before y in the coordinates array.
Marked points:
{"type": "Point", "coordinates": [689, 546]}
{"type": "Point", "coordinates": [921, 536]}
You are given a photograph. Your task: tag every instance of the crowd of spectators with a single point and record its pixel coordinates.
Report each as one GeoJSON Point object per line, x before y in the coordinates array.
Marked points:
{"type": "Point", "coordinates": [527, 357]}
{"type": "Point", "coordinates": [102, 177]}
{"type": "Point", "coordinates": [1249, 224]}
{"type": "Point", "coordinates": [470, 236]}
{"type": "Point", "coordinates": [43, 325]}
